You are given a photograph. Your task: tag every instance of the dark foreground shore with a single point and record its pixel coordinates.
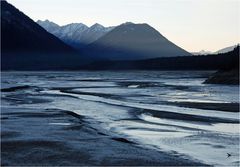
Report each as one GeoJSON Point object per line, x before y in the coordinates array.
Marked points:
{"type": "Point", "coordinates": [55, 137]}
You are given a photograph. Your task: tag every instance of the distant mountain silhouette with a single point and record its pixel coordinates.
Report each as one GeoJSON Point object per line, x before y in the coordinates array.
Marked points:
{"type": "Point", "coordinates": [133, 42]}
{"type": "Point", "coordinates": [76, 35]}
{"type": "Point", "coordinates": [26, 45]}
{"type": "Point", "coordinates": [226, 49]}
{"type": "Point", "coordinates": [223, 50]}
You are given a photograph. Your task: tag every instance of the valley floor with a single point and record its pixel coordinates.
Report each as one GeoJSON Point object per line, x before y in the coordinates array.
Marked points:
{"type": "Point", "coordinates": [145, 118]}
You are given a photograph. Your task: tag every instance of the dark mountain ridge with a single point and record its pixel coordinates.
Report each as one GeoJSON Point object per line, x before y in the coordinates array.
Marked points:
{"type": "Point", "coordinates": [20, 33]}
{"type": "Point", "coordinates": [25, 45]}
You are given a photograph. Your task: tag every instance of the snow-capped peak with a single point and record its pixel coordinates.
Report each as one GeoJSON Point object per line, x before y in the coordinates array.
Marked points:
{"type": "Point", "coordinates": [73, 27]}
{"type": "Point", "coordinates": [48, 25]}
{"type": "Point", "coordinates": [75, 32]}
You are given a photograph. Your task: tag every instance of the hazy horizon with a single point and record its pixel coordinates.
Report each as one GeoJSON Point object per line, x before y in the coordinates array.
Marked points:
{"type": "Point", "coordinates": [193, 25]}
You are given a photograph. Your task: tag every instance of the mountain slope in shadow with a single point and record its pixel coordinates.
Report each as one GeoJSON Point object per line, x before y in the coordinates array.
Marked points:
{"type": "Point", "coordinates": [131, 41]}
{"type": "Point", "coordinates": [26, 45]}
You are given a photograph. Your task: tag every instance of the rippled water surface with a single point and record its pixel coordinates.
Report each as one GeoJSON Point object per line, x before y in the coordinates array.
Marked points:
{"type": "Point", "coordinates": [168, 111]}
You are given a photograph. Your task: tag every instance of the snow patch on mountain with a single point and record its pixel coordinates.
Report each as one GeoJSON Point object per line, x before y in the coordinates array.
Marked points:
{"type": "Point", "coordinates": [202, 52]}
{"type": "Point", "coordinates": [223, 50]}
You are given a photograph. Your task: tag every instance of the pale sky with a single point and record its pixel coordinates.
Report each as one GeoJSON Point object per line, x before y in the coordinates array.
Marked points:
{"type": "Point", "coordinates": [191, 24]}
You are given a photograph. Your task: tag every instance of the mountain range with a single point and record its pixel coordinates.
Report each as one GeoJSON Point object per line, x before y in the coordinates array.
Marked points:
{"type": "Point", "coordinates": [127, 41]}
{"type": "Point", "coordinates": [76, 35]}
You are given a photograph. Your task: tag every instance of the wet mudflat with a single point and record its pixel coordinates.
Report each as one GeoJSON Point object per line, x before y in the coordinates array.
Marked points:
{"type": "Point", "coordinates": [117, 118]}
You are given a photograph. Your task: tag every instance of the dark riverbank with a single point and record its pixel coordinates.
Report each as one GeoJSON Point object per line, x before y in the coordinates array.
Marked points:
{"type": "Point", "coordinates": [227, 77]}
